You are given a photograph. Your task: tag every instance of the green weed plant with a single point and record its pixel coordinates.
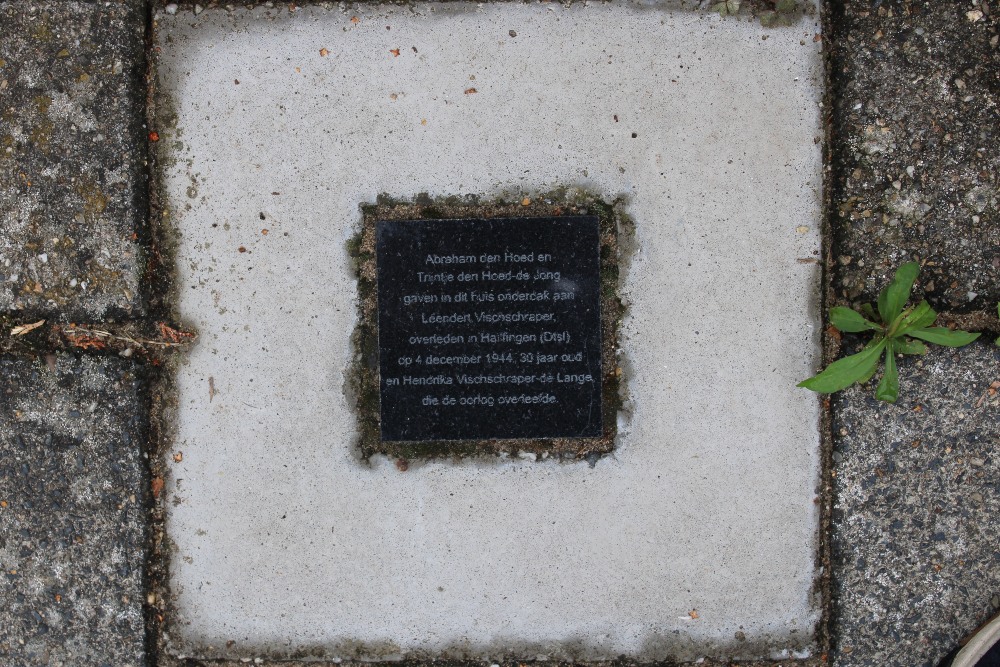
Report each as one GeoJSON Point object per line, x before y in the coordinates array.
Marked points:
{"type": "Point", "coordinates": [897, 331]}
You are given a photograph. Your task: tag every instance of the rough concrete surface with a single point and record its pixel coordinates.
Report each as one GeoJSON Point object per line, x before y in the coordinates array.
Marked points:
{"type": "Point", "coordinates": [72, 519]}
{"type": "Point", "coordinates": [916, 542]}
{"type": "Point", "coordinates": [916, 90]}
{"type": "Point", "coordinates": [698, 536]}
{"type": "Point", "coordinates": [72, 157]}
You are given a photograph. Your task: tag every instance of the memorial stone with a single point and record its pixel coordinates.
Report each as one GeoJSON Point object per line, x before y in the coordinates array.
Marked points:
{"type": "Point", "coordinates": [296, 528]}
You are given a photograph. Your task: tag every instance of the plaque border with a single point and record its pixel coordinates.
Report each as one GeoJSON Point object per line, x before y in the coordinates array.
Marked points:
{"type": "Point", "coordinates": [364, 381]}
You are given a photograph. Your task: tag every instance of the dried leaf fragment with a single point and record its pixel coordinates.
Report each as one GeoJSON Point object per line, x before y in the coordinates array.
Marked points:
{"type": "Point", "coordinates": [157, 486]}
{"type": "Point", "coordinates": [172, 335]}
{"type": "Point", "coordinates": [22, 329]}
{"type": "Point", "coordinates": [693, 613]}
{"type": "Point", "coordinates": [323, 53]}
{"type": "Point", "coordinates": [86, 339]}
{"type": "Point", "coordinates": [178, 457]}
{"type": "Point", "coordinates": [471, 91]}
{"type": "Point", "coordinates": [394, 52]}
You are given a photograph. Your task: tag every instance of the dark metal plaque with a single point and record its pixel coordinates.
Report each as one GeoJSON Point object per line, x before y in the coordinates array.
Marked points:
{"type": "Point", "coordinates": [489, 328]}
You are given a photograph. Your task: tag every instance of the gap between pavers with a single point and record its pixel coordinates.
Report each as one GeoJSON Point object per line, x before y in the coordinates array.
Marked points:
{"type": "Point", "coordinates": [698, 536]}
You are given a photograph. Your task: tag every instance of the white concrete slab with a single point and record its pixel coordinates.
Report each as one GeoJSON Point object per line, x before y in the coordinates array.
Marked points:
{"type": "Point", "coordinates": [285, 543]}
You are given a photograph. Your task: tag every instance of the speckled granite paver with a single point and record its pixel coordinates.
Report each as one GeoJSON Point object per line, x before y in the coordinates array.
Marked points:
{"type": "Point", "coordinates": [72, 157]}
{"type": "Point", "coordinates": [915, 529]}
{"type": "Point", "coordinates": [916, 91]}
{"type": "Point", "coordinates": [72, 518]}
{"type": "Point", "coordinates": [916, 536]}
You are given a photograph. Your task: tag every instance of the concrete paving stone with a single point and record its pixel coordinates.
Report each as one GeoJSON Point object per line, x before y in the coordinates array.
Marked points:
{"type": "Point", "coordinates": [916, 91]}
{"type": "Point", "coordinates": [72, 157]}
{"type": "Point", "coordinates": [916, 541]}
{"type": "Point", "coordinates": [698, 536]}
{"type": "Point", "coordinates": [72, 522]}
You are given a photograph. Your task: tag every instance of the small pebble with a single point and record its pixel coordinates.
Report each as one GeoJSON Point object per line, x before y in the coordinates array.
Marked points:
{"type": "Point", "coordinates": [171, 8]}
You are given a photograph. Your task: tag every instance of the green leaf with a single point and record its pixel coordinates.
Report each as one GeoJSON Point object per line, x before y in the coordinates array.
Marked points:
{"type": "Point", "coordinates": [909, 346]}
{"type": "Point", "coordinates": [888, 388]}
{"type": "Point", "coordinates": [892, 299]}
{"type": "Point", "coordinates": [846, 371]}
{"type": "Point", "coordinates": [849, 321]}
{"type": "Point", "coordinates": [868, 311]}
{"type": "Point", "coordinates": [785, 6]}
{"type": "Point", "coordinates": [918, 317]}
{"type": "Point", "coordinates": [868, 376]}
{"type": "Point", "coordinates": [944, 336]}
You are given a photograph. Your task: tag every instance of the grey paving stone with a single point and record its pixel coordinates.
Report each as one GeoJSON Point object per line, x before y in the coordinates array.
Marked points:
{"type": "Point", "coordinates": [917, 155]}
{"type": "Point", "coordinates": [916, 541]}
{"type": "Point", "coordinates": [72, 524]}
{"type": "Point", "coordinates": [72, 157]}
